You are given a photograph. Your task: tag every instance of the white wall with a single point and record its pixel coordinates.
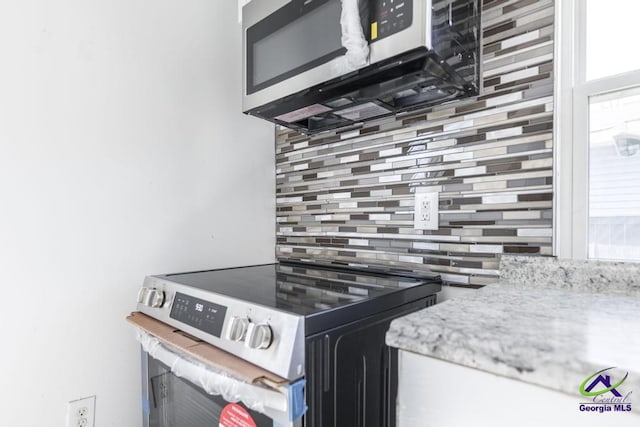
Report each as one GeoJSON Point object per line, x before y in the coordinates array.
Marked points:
{"type": "Point", "coordinates": [123, 153]}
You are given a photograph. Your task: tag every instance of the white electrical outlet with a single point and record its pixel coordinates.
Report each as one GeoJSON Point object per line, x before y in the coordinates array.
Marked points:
{"type": "Point", "coordinates": [81, 412]}
{"type": "Point", "coordinates": [425, 215]}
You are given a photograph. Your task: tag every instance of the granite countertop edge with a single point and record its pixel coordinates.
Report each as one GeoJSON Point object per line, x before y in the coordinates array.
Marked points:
{"type": "Point", "coordinates": [552, 338]}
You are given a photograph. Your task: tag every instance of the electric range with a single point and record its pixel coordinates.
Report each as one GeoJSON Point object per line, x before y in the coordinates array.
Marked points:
{"type": "Point", "coordinates": [324, 323]}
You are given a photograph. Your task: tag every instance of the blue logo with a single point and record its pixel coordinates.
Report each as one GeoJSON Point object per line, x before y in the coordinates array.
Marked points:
{"type": "Point", "coordinates": [604, 380]}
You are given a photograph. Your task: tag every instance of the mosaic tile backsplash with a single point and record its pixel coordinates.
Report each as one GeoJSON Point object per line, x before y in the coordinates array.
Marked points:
{"type": "Point", "coordinates": [348, 197]}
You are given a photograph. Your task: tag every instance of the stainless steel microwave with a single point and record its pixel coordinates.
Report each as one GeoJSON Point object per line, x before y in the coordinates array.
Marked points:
{"type": "Point", "coordinates": [315, 65]}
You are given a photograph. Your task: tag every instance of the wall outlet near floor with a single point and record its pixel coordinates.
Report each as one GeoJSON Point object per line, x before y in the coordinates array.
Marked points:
{"type": "Point", "coordinates": [81, 412]}
{"type": "Point", "coordinates": [425, 215]}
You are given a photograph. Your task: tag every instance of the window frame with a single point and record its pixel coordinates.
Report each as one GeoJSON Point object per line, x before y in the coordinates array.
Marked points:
{"type": "Point", "coordinates": [571, 127]}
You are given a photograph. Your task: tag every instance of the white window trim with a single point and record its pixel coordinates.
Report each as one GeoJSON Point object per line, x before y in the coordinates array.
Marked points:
{"type": "Point", "coordinates": [241, 4]}
{"type": "Point", "coordinates": [571, 128]}
{"type": "Point", "coordinates": [563, 133]}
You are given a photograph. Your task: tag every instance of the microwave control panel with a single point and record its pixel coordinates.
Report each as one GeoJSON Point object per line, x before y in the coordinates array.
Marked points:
{"type": "Point", "coordinates": [389, 17]}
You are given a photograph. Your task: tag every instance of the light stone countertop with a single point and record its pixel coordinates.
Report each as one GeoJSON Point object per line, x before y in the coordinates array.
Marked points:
{"type": "Point", "coordinates": [602, 277]}
{"type": "Point", "coordinates": [553, 336]}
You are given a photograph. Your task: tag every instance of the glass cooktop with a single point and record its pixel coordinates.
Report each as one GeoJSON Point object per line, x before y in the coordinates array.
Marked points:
{"type": "Point", "coordinates": [303, 289]}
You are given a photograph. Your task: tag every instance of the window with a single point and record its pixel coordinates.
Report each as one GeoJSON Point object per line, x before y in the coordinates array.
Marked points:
{"type": "Point", "coordinates": [614, 175]}
{"type": "Point", "coordinates": [597, 131]}
{"type": "Point", "coordinates": [611, 31]}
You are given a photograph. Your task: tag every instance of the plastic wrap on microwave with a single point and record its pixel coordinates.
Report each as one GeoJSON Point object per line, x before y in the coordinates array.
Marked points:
{"type": "Point", "coordinates": [218, 382]}
{"type": "Point", "coordinates": [353, 40]}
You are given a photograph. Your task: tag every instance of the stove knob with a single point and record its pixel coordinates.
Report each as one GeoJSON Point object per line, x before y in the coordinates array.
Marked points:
{"type": "Point", "coordinates": [153, 298]}
{"type": "Point", "coordinates": [237, 328]}
{"type": "Point", "coordinates": [142, 293]}
{"type": "Point", "coordinates": [258, 336]}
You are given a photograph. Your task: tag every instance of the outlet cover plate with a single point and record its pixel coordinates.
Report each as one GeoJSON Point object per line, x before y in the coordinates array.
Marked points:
{"type": "Point", "coordinates": [426, 207]}
{"type": "Point", "coordinates": [81, 412]}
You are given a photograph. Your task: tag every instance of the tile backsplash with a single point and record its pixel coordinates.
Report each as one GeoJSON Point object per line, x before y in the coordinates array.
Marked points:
{"type": "Point", "coordinates": [348, 196]}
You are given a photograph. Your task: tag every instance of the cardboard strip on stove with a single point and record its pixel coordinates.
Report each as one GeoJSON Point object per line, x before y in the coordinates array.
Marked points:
{"type": "Point", "coordinates": [206, 353]}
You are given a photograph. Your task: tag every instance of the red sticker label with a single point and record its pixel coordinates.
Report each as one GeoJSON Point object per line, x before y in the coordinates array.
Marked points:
{"type": "Point", "coordinates": [234, 415]}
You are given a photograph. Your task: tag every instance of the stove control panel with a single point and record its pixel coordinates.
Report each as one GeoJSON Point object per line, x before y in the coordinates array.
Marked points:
{"type": "Point", "coordinates": [200, 314]}
{"type": "Point", "coordinates": [264, 336]}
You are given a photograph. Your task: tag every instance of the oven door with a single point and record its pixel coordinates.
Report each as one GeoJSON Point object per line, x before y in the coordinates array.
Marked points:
{"type": "Point", "coordinates": [171, 401]}
{"type": "Point", "coordinates": [289, 46]}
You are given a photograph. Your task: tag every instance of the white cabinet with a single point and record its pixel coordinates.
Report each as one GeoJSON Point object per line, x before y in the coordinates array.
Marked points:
{"type": "Point", "coordinates": [434, 393]}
